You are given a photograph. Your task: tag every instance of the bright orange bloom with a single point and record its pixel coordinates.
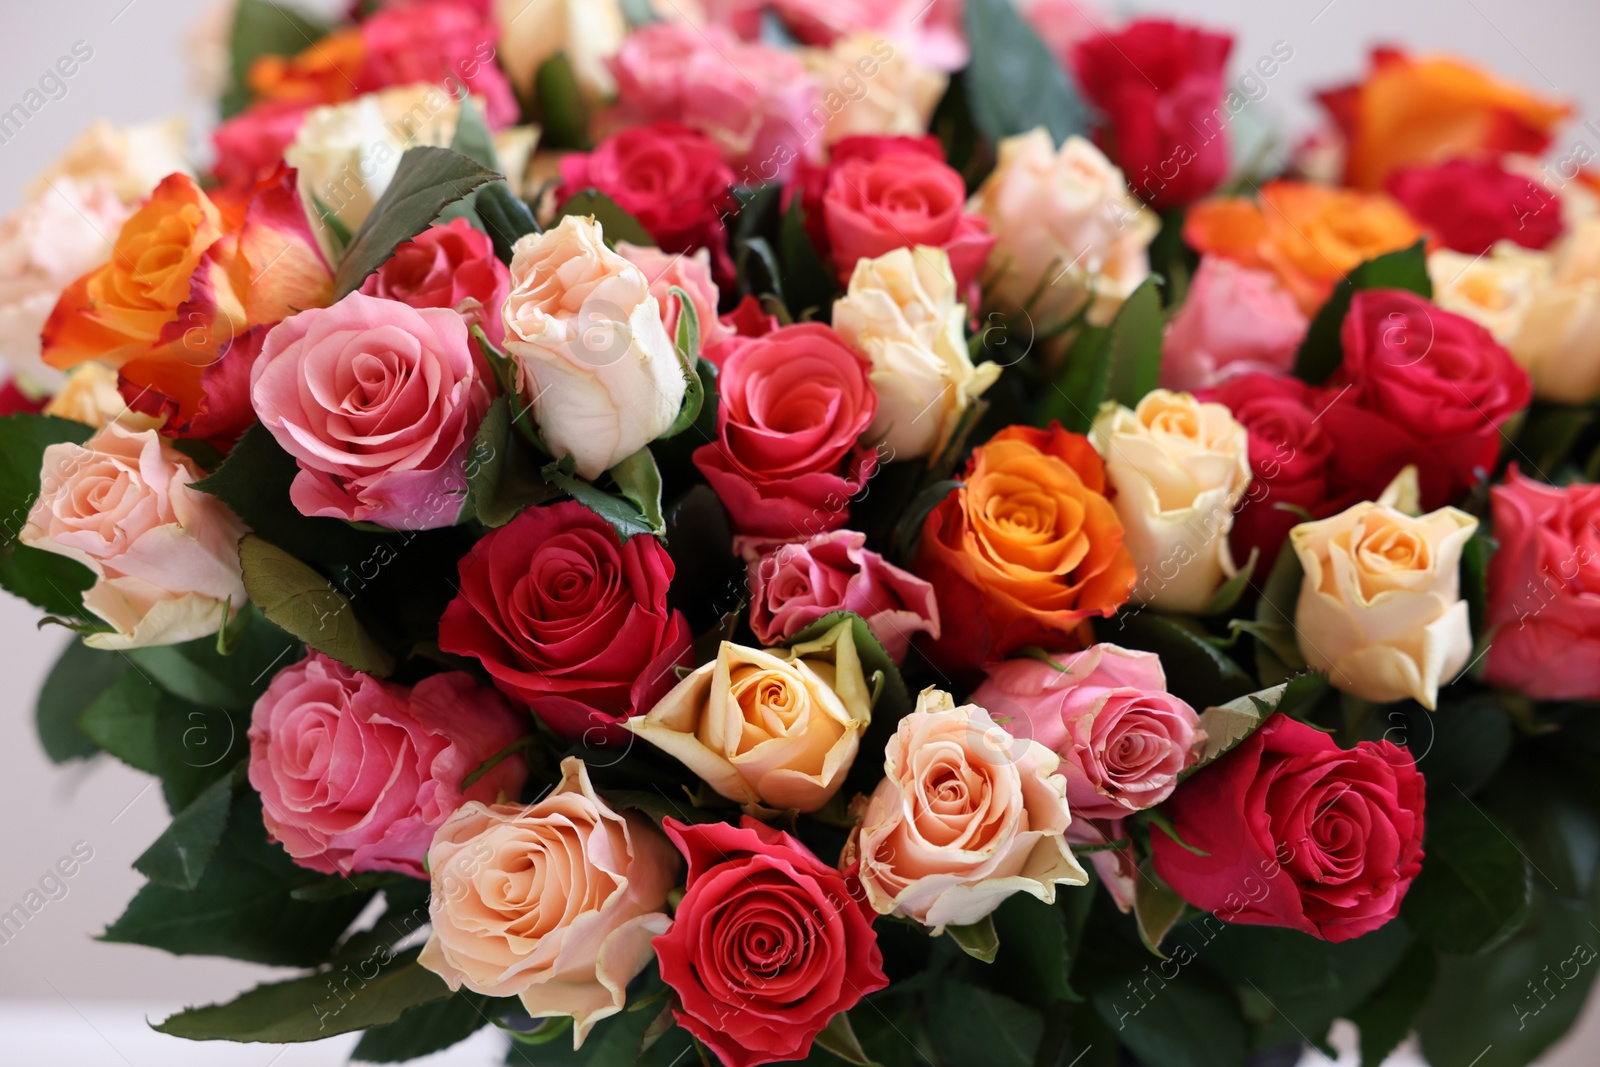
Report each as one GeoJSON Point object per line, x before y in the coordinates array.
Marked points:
{"type": "Point", "coordinates": [1426, 109]}
{"type": "Point", "coordinates": [324, 73]}
{"type": "Point", "coordinates": [1310, 236]}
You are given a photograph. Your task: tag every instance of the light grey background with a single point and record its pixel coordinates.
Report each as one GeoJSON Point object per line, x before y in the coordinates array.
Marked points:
{"type": "Point", "coordinates": [67, 1000]}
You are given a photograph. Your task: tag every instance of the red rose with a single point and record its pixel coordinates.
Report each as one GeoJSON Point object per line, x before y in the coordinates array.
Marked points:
{"type": "Point", "coordinates": [669, 177]}
{"type": "Point", "coordinates": [250, 145]}
{"type": "Point", "coordinates": [900, 199]}
{"type": "Point", "coordinates": [1469, 204]}
{"type": "Point", "coordinates": [1289, 456]}
{"type": "Point", "coordinates": [767, 945]}
{"type": "Point", "coordinates": [794, 404]}
{"type": "Point", "coordinates": [569, 621]}
{"type": "Point", "coordinates": [1298, 833]}
{"type": "Point", "coordinates": [448, 265]}
{"type": "Point", "coordinates": [443, 43]}
{"type": "Point", "coordinates": [1544, 590]}
{"type": "Point", "coordinates": [811, 179]}
{"type": "Point", "coordinates": [1160, 86]}
{"type": "Point", "coordinates": [1425, 387]}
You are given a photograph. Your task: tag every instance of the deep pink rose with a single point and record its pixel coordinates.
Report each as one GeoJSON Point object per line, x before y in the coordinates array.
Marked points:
{"type": "Point", "coordinates": [1122, 738]}
{"type": "Point", "coordinates": [448, 265]}
{"type": "Point", "coordinates": [1470, 204]}
{"type": "Point", "coordinates": [355, 774]}
{"type": "Point", "coordinates": [1544, 590]}
{"type": "Point", "coordinates": [250, 145]}
{"type": "Point", "coordinates": [931, 31]}
{"type": "Point", "coordinates": [794, 585]}
{"type": "Point", "coordinates": [1235, 320]}
{"type": "Point", "coordinates": [443, 43]}
{"type": "Point", "coordinates": [810, 182]}
{"type": "Point", "coordinates": [793, 406]}
{"type": "Point", "coordinates": [378, 403]}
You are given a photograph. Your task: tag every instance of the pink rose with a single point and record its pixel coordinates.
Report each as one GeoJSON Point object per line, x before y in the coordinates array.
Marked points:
{"type": "Point", "coordinates": [378, 402]}
{"type": "Point", "coordinates": [448, 265]}
{"type": "Point", "coordinates": [356, 774]}
{"type": "Point", "coordinates": [932, 31]}
{"type": "Point", "coordinates": [692, 274]}
{"type": "Point", "coordinates": [443, 43]}
{"type": "Point", "coordinates": [1235, 321]}
{"type": "Point", "coordinates": [250, 145]}
{"type": "Point", "coordinates": [1122, 738]}
{"type": "Point", "coordinates": [795, 585]}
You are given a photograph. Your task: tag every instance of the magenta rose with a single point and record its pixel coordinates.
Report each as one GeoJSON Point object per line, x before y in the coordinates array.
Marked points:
{"type": "Point", "coordinates": [1234, 321]}
{"type": "Point", "coordinates": [448, 265]}
{"type": "Point", "coordinates": [1544, 590]}
{"type": "Point", "coordinates": [356, 774]}
{"type": "Point", "coordinates": [794, 585]}
{"type": "Point", "coordinates": [1122, 738]}
{"type": "Point", "coordinates": [568, 620]}
{"type": "Point", "coordinates": [378, 403]}
{"type": "Point", "coordinates": [445, 43]}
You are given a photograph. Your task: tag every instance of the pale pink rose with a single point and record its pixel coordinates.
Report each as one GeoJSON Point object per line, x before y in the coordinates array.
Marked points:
{"type": "Point", "coordinates": [966, 815]}
{"type": "Point", "coordinates": [378, 403]}
{"type": "Point", "coordinates": [794, 585]}
{"type": "Point", "coordinates": [1235, 320]}
{"type": "Point", "coordinates": [1061, 24]}
{"type": "Point", "coordinates": [448, 265]}
{"type": "Point", "coordinates": [1122, 738]}
{"type": "Point", "coordinates": [554, 902]}
{"type": "Point", "coordinates": [692, 274]}
{"type": "Point", "coordinates": [356, 774]}
{"type": "Point", "coordinates": [755, 101]}
{"type": "Point", "coordinates": [931, 31]}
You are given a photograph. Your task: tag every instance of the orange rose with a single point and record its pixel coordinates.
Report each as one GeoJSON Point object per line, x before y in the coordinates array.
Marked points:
{"type": "Point", "coordinates": [324, 73]}
{"type": "Point", "coordinates": [1431, 108]}
{"type": "Point", "coordinates": [1310, 236]}
{"type": "Point", "coordinates": [1027, 549]}
{"type": "Point", "coordinates": [188, 274]}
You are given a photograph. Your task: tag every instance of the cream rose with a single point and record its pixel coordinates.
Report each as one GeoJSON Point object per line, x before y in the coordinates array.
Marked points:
{"type": "Point", "coordinates": [871, 88]}
{"type": "Point", "coordinates": [1070, 233]}
{"type": "Point", "coordinates": [1180, 469]}
{"type": "Point", "coordinates": [588, 31]}
{"type": "Point", "coordinates": [165, 555]}
{"type": "Point", "coordinates": [901, 312]}
{"type": "Point", "coordinates": [769, 729]}
{"type": "Point", "coordinates": [592, 355]}
{"type": "Point", "coordinates": [1496, 291]}
{"type": "Point", "coordinates": [91, 396]}
{"type": "Point", "coordinates": [554, 903]}
{"type": "Point", "coordinates": [130, 160]}
{"type": "Point", "coordinates": [1380, 607]}
{"type": "Point", "coordinates": [965, 816]}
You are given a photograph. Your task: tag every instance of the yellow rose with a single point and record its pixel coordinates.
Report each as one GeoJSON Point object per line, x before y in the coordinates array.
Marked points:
{"type": "Point", "coordinates": [588, 31]}
{"type": "Point", "coordinates": [90, 396]}
{"type": "Point", "coordinates": [870, 88]}
{"type": "Point", "coordinates": [1495, 291]}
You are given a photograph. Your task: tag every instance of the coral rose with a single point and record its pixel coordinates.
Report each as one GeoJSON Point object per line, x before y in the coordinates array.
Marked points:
{"type": "Point", "coordinates": [448, 265]}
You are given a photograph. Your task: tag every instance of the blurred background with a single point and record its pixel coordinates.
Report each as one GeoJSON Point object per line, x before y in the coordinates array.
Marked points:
{"type": "Point", "coordinates": [67, 1000]}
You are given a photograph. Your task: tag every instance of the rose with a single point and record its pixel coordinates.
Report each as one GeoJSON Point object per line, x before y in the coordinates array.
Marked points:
{"type": "Point", "coordinates": [1289, 457]}
{"type": "Point", "coordinates": [771, 730]}
{"type": "Point", "coordinates": [324, 72]}
{"type": "Point", "coordinates": [1068, 232]}
{"type": "Point", "coordinates": [1470, 204]}
{"type": "Point", "coordinates": [792, 407]}
{"type": "Point", "coordinates": [130, 160]}
{"type": "Point", "coordinates": [1159, 85]}
{"type": "Point", "coordinates": [356, 774]}
{"type": "Point", "coordinates": [250, 145]}
{"type": "Point", "coordinates": [872, 88]}
{"type": "Point", "coordinates": [902, 199]}
{"type": "Point", "coordinates": [585, 31]}
{"type": "Point", "coordinates": [444, 44]}
{"type": "Point", "coordinates": [567, 620]}
{"type": "Point", "coordinates": [1427, 388]}
{"type": "Point", "coordinates": [1291, 830]}
{"type": "Point", "coordinates": [692, 274]}
{"type": "Point", "coordinates": [761, 114]}
{"type": "Point", "coordinates": [902, 313]}
{"type": "Point", "coordinates": [965, 816]}
{"type": "Point", "coordinates": [794, 585]}
{"type": "Point", "coordinates": [448, 265]}
{"type": "Point", "coordinates": [1544, 590]}
{"type": "Point", "coordinates": [931, 31]}
{"type": "Point", "coordinates": [378, 403]}
{"type": "Point", "coordinates": [669, 177]}
{"type": "Point", "coordinates": [593, 360]}
{"type": "Point", "coordinates": [811, 180]}
{"type": "Point", "coordinates": [164, 555]}
{"type": "Point", "coordinates": [90, 396]}
{"type": "Point", "coordinates": [1179, 469]}
{"type": "Point", "coordinates": [1554, 328]}
{"type": "Point", "coordinates": [44, 246]}
{"type": "Point", "coordinates": [1235, 320]}
{"type": "Point", "coordinates": [1380, 606]}
{"type": "Point", "coordinates": [1421, 109]}
{"type": "Point", "coordinates": [553, 902]}
{"type": "Point", "coordinates": [1122, 738]}
{"type": "Point", "coordinates": [1498, 291]}
{"type": "Point", "coordinates": [767, 945]}
{"type": "Point", "coordinates": [1026, 550]}
{"type": "Point", "coordinates": [1310, 236]}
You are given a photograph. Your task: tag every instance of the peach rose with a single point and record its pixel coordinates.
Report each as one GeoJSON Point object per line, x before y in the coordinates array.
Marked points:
{"type": "Point", "coordinates": [130, 160]}
{"type": "Point", "coordinates": [870, 88]}
{"type": "Point", "coordinates": [165, 555]}
{"type": "Point", "coordinates": [770, 729]}
{"type": "Point", "coordinates": [965, 816]}
{"type": "Point", "coordinates": [90, 396]}
{"type": "Point", "coordinates": [554, 903]}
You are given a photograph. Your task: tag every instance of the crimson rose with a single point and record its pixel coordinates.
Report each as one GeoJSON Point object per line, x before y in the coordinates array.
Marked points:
{"type": "Point", "coordinates": [448, 265]}
{"type": "Point", "coordinates": [1469, 204]}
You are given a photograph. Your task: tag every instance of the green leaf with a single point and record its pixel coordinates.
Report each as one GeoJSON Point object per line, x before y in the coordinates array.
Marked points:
{"type": "Point", "coordinates": [1121, 362]}
{"type": "Point", "coordinates": [1388, 1015]}
{"type": "Point", "coordinates": [1227, 596]}
{"type": "Point", "coordinates": [505, 217]}
{"type": "Point", "coordinates": [78, 679]}
{"type": "Point", "coordinates": [427, 179]}
{"type": "Point", "coordinates": [698, 373]}
{"type": "Point", "coordinates": [1278, 655]}
{"type": "Point", "coordinates": [423, 1029]}
{"type": "Point", "coordinates": [264, 28]}
{"type": "Point", "coordinates": [502, 477]}
{"type": "Point", "coordinates": [1034, 960]}
{"type": "Point", "coordinates": [198, 672]}
{"type": "Point", "coordinates": [908, 531]}
{"type": "Point", "coordinates": [179, 856]}
{"type": "Point", "coordinates": [1013, 82]}
{"type": "Point", "coordinates": [615, 223]}
{"type": "Point", "coordinates": [1186, 1022]}
{"type": "Point", "coordinates": [50, 582]}
{"type": "Point", "coordinates": [1172, 260]}
{"type": "Point", "coordinates": [623, 515]}
{"type": "Point", "coordinates": [1227, 725]}
{"type": "Point", "coordinates": [307, 606]}
{"type": "Point", "coordinates": [1473, 890]}
{"type": "Point", "coordinates": [969, 1025]}
{"type": "Point", "coordinates": [1196, 669]}
{"type": "Point", "coordinates": [561, 109]}
{"type": "Point", "coordinates": [1548, 433]}
{"type": "Point", "coordinates": [1322, 352]}
{"type": "Point", "coordinates": [639, 480]}
{"type": "Point", "coordinates": [46, 580]}
{"type": "Point", "coordinates": [472, 137]}
{"type": "Point", "coordinates": [839, 1038]}
{"type": "Point", "coordinates": [978, 939]}
{"type": "Point", "coordinates": [188, 746]}
{"type": "Point", "coordinates": [1475, 556]}
{"type": "Point", "coordinates": [1156, 908]}
{"type": "Point", "coordinates": [808, 284]}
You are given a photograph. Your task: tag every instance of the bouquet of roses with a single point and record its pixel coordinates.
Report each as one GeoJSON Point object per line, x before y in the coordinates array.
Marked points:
{"type": "Point", "coordinates": [769, 531]}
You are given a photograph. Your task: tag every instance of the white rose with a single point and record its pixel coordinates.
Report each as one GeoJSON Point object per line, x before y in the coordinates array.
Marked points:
{"type": "Point", "coordinates": [870, 88]}
{"type": "Point", "coordinates": [1179, 469]}
{"type": "Point", "coordinates": [902, 314]}
{"type": "Point", "coordinates": [593, 358]}
{"type": "Point", "coordinates": [131, 160]}
{"type": "Point", "coordinates": [588, 31]}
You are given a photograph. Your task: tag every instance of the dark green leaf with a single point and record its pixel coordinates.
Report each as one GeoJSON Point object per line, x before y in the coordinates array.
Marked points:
{"type": "Point", "coordinates": [1227, 725]}
{"type": "Point", "coordinates": [1013, 82]}
{"type": "Point", "coordinates": [562, 112]}
{"type": "Point", "coordinates": [1156, 908]}
{"type": "Point", "coordinates": [615, 223]}
{"type": "Point", "coordinates": [1459, 749]}
{"type": "Point", "coordinates": [1187, 1021]}
{"type": "Point", "coordinates": [78, 679]}
{"type": "Point", "coordinates": [1548, 433]}
{"type": "Point", "coordinates": [908, 532]}
{"type": "Point", "coordinates": [306, 605]}
{"type": "Point", "coordinates": [198, 672]}
{"type": "Point", "coordinates": [978, 940]}
{"type": "Point", "coordinates": [1121, 362]}
{"type": "Point", "coordinates": [1322, 352]}
{"type": "Point", "coordinates": [1278, 655]}
{"type": "Point", "coordinates": [639, 481]}
{"type": "Point", "coordinates": [839, 1038]}
{"type": "Point", "coordinates": [1034, 960]}
{"type": "Point", "coordinates": [188, 746]}
{"type": "Point", "coordinates": [623, 515]}
{"type": "Point", "coordinates": [48, 581]}
{"type": "Point", "coordinates": [504, 216]}
{"type": "Point", "coordinates": [1475, 556]}
{"type": "Point", "coordinates": [1173, 261]}
{"type": "Point", "coordinates": [808, 284]}
{"type": "Point", "coordinates": [1227, 596]}
{"type": "Point", "coordinates": [1196, 669]}
{"type": "Point", "coordinates": [423, 1029]}
{"type": "Point", "coordinates": [969, 1025]}
{"type": "Point", "coordinates": [472, 137]}
{"type": "Point", "coordinates": [1388, 1015]}
{"type": "Point", "coordinates": [264, 28]}
{"type": "Point", "coordinates": [1473, 889]}
{"type": "Point", "coordinates": [502, 476]}
{"type": "Point", "coordinates": [179, 856]}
